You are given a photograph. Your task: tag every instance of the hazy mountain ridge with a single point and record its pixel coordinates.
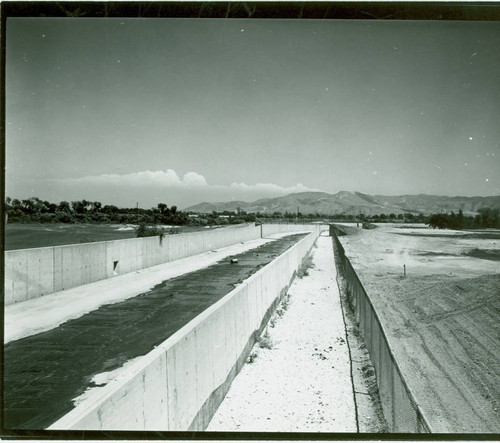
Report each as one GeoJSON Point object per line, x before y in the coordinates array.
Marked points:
{"type": "Point", "coordinates": [354, 203]}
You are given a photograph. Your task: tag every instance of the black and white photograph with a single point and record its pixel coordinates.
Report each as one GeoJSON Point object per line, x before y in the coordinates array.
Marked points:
{"type": "Point", "coordinates": [271, 220]}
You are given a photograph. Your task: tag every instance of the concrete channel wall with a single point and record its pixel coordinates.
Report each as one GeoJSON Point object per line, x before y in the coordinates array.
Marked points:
{"type": "Point", "coordinates": [180, 384]}
{"type": "Point", "coordinates": [32, 273]}
{"type": "Point", "coordinates": [401, 410]}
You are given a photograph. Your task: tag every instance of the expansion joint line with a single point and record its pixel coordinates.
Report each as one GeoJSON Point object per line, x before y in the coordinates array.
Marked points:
{"type": "Point", "coordinates": [354, 392]}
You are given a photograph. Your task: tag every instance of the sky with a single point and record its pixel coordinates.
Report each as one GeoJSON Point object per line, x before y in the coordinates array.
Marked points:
{"type": "Point", "coordinates": [182, 111]}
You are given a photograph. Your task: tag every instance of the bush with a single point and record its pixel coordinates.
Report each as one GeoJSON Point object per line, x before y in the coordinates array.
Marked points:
{"type": "Point", "coordinates": [265, 341]}
{"type": "Point", "coordinates": [47, 218]}
{"type": "Point", "coordinates": [487, 218]}
{"type": "Point", "coordinates": [148, 231]}
{"type": "Point", "coordinates": [307, 263]}
{"type": "Point", "coordinates": [63, 217]}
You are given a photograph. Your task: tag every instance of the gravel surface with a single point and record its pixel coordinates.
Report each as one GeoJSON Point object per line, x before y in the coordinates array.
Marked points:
{"type": "Point", "coordinates": [297, 379]}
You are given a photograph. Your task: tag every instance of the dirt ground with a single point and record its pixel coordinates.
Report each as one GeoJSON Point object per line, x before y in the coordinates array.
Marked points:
{"type": "Point", "coordinates": [37, 235]}
{"type": "Point", "coordinates": [441, 318]}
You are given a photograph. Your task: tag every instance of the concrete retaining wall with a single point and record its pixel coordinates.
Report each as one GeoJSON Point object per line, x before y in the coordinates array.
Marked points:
{"type": "Point", "coordinates": [401, 410]}
{"type": "Point", "coordinates": [31, 273]}
{"type": "Point", "coordinates": [180, 384]}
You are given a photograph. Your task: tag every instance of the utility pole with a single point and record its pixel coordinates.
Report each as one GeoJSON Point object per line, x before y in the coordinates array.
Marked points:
{"type": "Point", "coordinates": [137, 211]}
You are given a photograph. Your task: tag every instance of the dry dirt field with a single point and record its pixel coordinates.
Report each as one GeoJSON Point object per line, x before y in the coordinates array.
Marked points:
{"type": "Point", "coordinates": [38, 235]}
{"type": "Point", "coordinates": [441, 319]}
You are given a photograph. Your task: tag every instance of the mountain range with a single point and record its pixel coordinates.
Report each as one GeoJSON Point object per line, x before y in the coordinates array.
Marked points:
{"type": "Point", "coordinates": [354, 203]}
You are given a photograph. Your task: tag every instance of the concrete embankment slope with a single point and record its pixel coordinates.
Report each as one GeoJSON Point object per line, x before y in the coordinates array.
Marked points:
{"type": "Point", "coordinates": [179, 385]}
{"type": "Point", "coordinates": [31, 273]}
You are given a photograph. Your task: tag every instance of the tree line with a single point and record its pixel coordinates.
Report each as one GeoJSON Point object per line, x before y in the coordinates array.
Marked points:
{"type": "Point", "coordinates": [487, 218]}
{"type": "Point", "coordinates": [35, 210]}
{"type": "Point", "coordinates": [376, 218]}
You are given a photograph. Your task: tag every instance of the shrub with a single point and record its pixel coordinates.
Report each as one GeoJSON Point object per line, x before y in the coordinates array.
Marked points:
{"type": "Point", "coordinates": [265, 340]}
{"type": "Point", "coordinates": [252, 357]}
{"type": "Point", "coordinates": [305, 266]}
{"type": "Point", "coordinates": [149, 231]}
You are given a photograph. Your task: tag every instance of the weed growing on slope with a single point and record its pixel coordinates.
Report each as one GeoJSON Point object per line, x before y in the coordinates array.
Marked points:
{"type": "Point", "coordinates": [252, 357]}
{"type": "Point", "coordinates": [307, 264]}
{"type": "Point", "coordinates": [283, 306]}
{"type": "Point", "coordinates": [286, 302]}
{"type": "Point", "coordinates": [265, 341]}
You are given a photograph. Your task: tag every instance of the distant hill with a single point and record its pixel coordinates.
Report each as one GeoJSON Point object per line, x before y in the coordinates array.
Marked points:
{"type": "Point", "coordinates": [354, 203]}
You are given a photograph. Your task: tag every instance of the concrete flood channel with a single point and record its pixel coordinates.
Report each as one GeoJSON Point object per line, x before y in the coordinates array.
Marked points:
{"type": "Point", "coordinates": [44, 372]}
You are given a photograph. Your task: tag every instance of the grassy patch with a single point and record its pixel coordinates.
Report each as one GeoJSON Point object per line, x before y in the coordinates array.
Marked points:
{"type": "Point", "coordinates": [433, 254]}
{"type": "Point", "coordinates": [486, 254]}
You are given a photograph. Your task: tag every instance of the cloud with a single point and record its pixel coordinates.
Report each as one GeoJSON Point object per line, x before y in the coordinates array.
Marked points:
{"type": "Point", "coordinates": [194, 179]}
{"type": "Point", "coordinates": [190, 180]}
{"type": "Point", "coordinates": [168, 178]}
{"type": "Point", "coordinates": [270, 188]}
{"type": "Point", "coordinates": [151, 187]}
